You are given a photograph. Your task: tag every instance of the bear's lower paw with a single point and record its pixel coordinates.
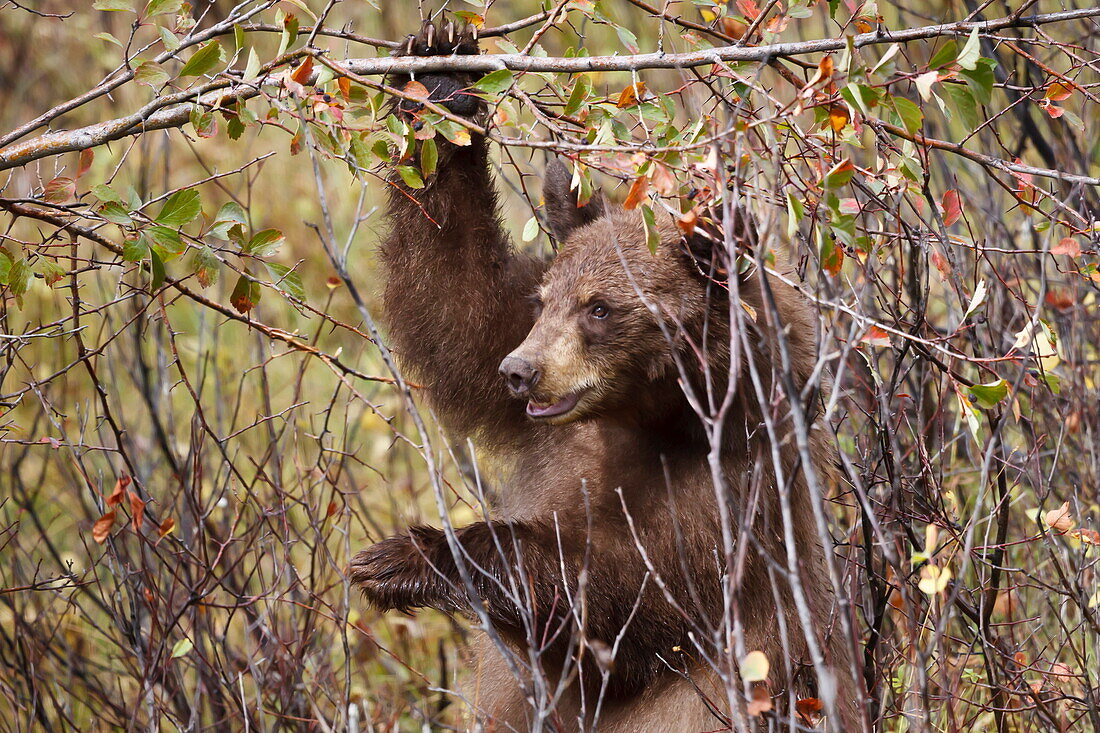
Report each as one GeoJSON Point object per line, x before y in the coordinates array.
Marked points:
{"type": "Point", "coordinates": [396, 575]}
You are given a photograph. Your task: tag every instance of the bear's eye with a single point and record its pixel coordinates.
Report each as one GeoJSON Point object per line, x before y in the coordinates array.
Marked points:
{"type": "Point", "coordinates": [599, 311]}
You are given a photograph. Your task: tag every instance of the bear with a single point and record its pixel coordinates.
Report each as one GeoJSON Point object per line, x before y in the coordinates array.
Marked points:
{"type": "Point", "coordinates": [637, 540]}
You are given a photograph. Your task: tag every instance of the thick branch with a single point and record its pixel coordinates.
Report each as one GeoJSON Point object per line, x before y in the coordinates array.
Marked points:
{"type": "Point", "coordinates": [55, 143]}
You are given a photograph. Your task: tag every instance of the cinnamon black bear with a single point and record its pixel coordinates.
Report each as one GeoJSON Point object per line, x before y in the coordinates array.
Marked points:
{"type": "Point", "coordinates": [585, 376]}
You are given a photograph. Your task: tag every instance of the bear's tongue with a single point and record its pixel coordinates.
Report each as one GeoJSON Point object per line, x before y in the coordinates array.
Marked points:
{"type": "Point", "coordinates": [560, 407]}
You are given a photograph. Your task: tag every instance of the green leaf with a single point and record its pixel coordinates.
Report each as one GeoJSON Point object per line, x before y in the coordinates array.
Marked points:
{"type": "Point", "coordinates": [265, 243]}
{"type": "Point", "coordinates": [652, 236]}
{"type": "Point", "coordinates": [495, 82]}
{"type": "Point", "coordinates": [980, 80]}
{"type": "Point", "coordinates": [411, 176]}
{"type": "Point", "coordinates": [861, 96]}
{"type": "Point", "coordinates": [989, 395]}
{"type": "Point", "coordinates": [203, 60]}
{"type": "Point", "coordinates": [105, 36]}
{"type": "Point", "coordinates": [115, 213]}
{"type": "Point", "coordinates": [160, 7]}
{"type": "Point", "coordinates": [971, 51]}
{"type": "Point", "coordinates": [51, 272]}
{"type": "Point", "coordinates": [19, 277]}
{"type": "Point", "coordinates": [839, 174]}
{"type": "Point", "coordinates": [909, 113]}
{"type": "Point", "coordinates": [963, 105]}
{"type": "Point", "coordinates": [429, 157]}
{"type": "Point", "coordinates": [180, 208]}
{"type": "Point", "coordinates": [165, 240]}
{"type": "Point", "coordinates": [168, 38]}
{"type": "Point", "coordinates": [205, 266]}
{"type": "Point", "coordinates": [150, 74]}
{"type": "Point", "coordinates": [105, 193]}
{"type": "Point", "coordinates": [204, 121]}
{"type": "Point", "coordinates": [795, 212]}
{"type": "Point", "coordinates": [252, 68]}
{"type": "Point", "coordinates": [135, 250]}
{"type": "Point", "coordinates": [181, 647]}
{"type": "Point", "coordinates": [113, 5]}
{"type": "Point", "coordinates": [531, 229]}
{"type": "Point", "coordinates": [157, 266]}
{"type": "Point", "coordinates": [287, 280]}
{"type": "Point", "coordinates": [581, 89]}
{"type": "Point", "coordinates": [231, 211]}
{"type": "Point", "coordinates": [245, 295]}
{"type": "Point", "coordinates": [944, 55]}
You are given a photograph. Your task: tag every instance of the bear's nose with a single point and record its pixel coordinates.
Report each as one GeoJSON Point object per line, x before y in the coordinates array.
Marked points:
{"type": "Point", "coordinates": [520, 375]}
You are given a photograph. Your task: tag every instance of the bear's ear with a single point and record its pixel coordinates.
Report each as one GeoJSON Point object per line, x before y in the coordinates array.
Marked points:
{"type": "Point", "coordinates": [562, 211]}
{"type": "Point", "coordinates": [706, 248]}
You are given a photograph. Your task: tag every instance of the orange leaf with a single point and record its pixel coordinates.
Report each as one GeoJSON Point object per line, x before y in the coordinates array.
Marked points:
{"type": "Point", "coordinates": [1059, 519]}
{"type": "Point", "coordinates": [825, 67]}
{"type": "Point", "coordinates": [733, 28]}
{"type": "Point", "coordinates": [102, 527]}
{"type": "Point", "coordinates": [630, 96]}
{"type": "Point", "coordinates": [952, 207]}
{"type": "Point", "coordinates": [344, 84]}
{"type": "Point", "coordinates": [838, 117]}
{"type": "Point", "coordinates": [638, 193]}
{"type": "Point", "coordinates": [416, 90]}
{"type": "Point", "coordinates": [809, 710]}
{"type": "Point", "coordinates": [166, 526]}
{"type": "Point", "coordinates": [1067, 246]}
{"type": "Point", "coordinates": [120, 487]}
{"type": "Point", "coordinates": [303, 72]}
{"type": "Point", "coordinates": [686, 223]}
{"type": "Point", "coordinates": [876, 336]}
{"type": "Point", "coordinates": [1059, 91]}
{"type": "Point", "coordinates": [137, 510]}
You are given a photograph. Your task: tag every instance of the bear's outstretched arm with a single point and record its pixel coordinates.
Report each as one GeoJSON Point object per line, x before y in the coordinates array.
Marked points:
{"type": "Point", "coordinates": [418, 570]}
{"type": "Point", "coordinates": [456, 297]}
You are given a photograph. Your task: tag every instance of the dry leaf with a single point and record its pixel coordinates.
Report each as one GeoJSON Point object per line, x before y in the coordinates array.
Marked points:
{"type": "Point", "coordinates": [120, 487]}
{"type": "Point", "coordinates": [1059, 91]}
{"type": "Point", "coordinates": [302, 74]}
{"type": "Point", "coordinates": [137, 510]}
{"type": "Point", "coordinates": [631, 95]}
{"type": "Point", "coordinates": [1067, 246]}
{"type": "Point", "coordinates": [761, 701]}
{"type": "Point", "coordinates": [809, 710]}
{"type": "Point", "coordinates": [1059, 519]}
{"type": "Point", "coordinates": [102, 527]}
{"type": "Point", "coordinates": [416, 90]}
{"type": "Point", "coordinates": [686, 222]}
{"type": "Point", "coordinates": [838, 117]}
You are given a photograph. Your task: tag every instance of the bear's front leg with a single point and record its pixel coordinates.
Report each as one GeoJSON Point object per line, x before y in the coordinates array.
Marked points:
{"type": "Point", "coordinates": [408, 571]}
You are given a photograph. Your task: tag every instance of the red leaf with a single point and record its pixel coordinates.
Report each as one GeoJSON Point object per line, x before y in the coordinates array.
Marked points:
{"type": "Point", "coordinates": [60, 190]}
{"type": "Point", "coordinates": [1059, 91]}
{"type": "Point", "coordinates": [876, 336]}
{"type": "Point", "coordinates": [86, 157]}
{"type": "Point", "coordinates": [748, 8]}
{"type": "Point", "coordinates": [102, 527]}
{"type": "Point", "coordinates": [952, 207]}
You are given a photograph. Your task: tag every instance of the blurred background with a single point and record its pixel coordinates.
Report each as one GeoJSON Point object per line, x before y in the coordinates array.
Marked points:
{"type": "Point", "coordinates": [185, 473]}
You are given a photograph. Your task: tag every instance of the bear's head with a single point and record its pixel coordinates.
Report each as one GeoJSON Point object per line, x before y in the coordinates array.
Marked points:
{"type": "Point", "coordinates": [612, 316]}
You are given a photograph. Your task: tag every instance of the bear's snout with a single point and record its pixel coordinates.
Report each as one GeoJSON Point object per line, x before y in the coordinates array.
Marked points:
{"type": "Point", "coordinates": [520, 375]}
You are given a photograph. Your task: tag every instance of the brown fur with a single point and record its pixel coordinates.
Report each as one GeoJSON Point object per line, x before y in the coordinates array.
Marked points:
{"type": "Point", "coordinates": [458, 300]}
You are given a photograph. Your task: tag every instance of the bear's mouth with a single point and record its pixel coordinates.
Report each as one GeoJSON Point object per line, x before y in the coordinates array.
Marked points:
{"type": "Point", "coordinates": [541, 410]}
